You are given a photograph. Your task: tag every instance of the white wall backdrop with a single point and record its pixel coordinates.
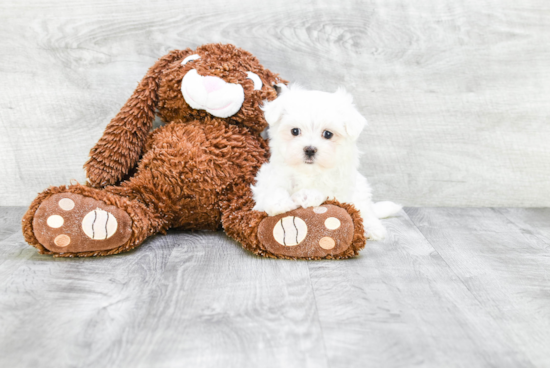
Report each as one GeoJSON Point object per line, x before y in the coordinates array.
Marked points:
{"type": "Point", "coordinates": [457, 93]}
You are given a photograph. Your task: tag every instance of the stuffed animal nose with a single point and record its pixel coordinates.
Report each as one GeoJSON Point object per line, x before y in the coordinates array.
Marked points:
{"type": "Point", "coordinates": [212, 84]}
{"type": "Point", "coordinates": [310, 151]}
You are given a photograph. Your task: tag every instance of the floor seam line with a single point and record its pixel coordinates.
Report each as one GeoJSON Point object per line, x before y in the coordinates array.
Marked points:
{"type": "Point", "coordinates": [444, 260]}
{"type": "Point", "coordinates": [535, 230]}
{"type": "Point", "coordinates": [317, 312]}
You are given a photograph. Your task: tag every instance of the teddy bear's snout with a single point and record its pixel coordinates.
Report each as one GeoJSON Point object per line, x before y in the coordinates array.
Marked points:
{"type": "Point", "coordinates": [212, 94]}
{"type": "Point", "coordinates": [212, 84]}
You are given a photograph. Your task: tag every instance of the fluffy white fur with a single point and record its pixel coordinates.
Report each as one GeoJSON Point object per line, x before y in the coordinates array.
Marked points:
{"type": "Point", "coordinates": [292, 179]}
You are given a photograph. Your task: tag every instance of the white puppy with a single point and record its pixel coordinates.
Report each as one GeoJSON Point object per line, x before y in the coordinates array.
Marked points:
{"type": "Point", "coordinates": [314, 156]}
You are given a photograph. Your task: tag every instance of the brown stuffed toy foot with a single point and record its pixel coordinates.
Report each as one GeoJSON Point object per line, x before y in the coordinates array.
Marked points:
{"type": "Point", "coordinates": [68, 222]}
{"type": "Point", "coordinates": [82, 221]}
{"type": "Point", "coordinates": [326, 231]}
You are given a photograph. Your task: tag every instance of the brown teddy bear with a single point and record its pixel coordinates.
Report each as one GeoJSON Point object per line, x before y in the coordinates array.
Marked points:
{"type": "Point", "coordinates": [193, 173]}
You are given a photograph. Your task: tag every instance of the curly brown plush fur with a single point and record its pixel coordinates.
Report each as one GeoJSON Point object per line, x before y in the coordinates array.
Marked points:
{"type": "Point", "coordinates": [193, 173]}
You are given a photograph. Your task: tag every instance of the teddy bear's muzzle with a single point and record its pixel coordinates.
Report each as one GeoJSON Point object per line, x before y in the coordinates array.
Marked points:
{"type": "Point", "coordinates": [212, 94]}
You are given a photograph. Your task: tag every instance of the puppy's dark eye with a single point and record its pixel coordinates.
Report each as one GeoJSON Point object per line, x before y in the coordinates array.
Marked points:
{"type": "Point", "coordinates": [295, 131]}
{"type": "Point", "coordinates": [327, 134]}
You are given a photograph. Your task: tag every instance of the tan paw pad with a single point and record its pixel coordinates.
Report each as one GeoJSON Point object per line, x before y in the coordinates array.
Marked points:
{"type": "Point", "coordinates": [62, 240]}
{"type": "Point", "coordinates": [66, 204]}
{"type": "Point", "coordinates": [327, 243]}
{"type": "Point", "coordinates": [320, 210]}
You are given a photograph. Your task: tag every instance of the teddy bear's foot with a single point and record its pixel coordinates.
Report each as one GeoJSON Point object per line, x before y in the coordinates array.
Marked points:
{"type": "Point", "coordinates": [73, 223]}
{"type": "Point", "coordinates": [326, 231]}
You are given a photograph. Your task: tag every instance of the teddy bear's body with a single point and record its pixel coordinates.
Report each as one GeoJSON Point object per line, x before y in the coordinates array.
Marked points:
{"type": "Point", "coordinates": [193, 173]}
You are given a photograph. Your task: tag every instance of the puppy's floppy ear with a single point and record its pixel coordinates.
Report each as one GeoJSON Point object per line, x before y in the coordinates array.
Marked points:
{"type": "Point", "coordinates": [355, 123]}
{"type": "Point", "coordinates": [274, 110]}
{"type": "Point", "coordinates": [280, 88]}
{"type": "Point", "coordinates": [353, 120]}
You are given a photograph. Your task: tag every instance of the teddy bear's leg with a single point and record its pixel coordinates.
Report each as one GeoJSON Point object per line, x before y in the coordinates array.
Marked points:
{"type": "Point", "coordinates": [83, 221]}
{"type": "Point", "coordinates": [331, 231]}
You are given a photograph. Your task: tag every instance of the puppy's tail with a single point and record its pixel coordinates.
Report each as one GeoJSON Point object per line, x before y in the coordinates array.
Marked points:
{"type": "Point", "coordinates": [386, 209]}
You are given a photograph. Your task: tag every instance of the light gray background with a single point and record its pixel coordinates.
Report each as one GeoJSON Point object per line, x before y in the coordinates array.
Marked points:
{"type": "Point", "coordinates": [456, 92]}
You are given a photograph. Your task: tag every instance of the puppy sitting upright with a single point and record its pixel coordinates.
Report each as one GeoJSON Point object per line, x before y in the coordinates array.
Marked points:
{"type": "Point", "coordinates": [314, 157]}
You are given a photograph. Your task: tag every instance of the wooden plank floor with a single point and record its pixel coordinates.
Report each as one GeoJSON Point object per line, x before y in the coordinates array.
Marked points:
{"type": "Point", "coordinates": [450, 287]}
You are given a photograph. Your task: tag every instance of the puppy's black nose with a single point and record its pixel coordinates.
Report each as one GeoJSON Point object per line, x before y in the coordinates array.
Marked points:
{"type": "Point", "coordinates": [310, 151]}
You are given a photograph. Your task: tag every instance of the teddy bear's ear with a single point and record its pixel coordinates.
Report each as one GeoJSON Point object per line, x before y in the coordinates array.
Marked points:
{"type": "Point", "coordinates": [354, 121]}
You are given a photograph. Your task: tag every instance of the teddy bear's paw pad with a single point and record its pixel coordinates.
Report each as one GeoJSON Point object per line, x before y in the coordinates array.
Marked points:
{"type": "Point", "coordinates": [313, 232]}
{"type": "Point", "coordinates": [69, 222]}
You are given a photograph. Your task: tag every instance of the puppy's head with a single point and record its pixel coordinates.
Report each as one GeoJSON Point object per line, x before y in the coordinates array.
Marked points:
{"type": "Point", "coordinates": [312, 127]}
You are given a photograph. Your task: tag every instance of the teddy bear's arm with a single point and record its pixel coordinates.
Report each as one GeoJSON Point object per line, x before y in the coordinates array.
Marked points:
{"type": "Point", "coordinates": [121, 145]}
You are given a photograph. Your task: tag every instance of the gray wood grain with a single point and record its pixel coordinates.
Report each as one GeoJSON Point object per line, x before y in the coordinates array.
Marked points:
{"type": "Point", "coordinates": [10, 221]}
{"type": "Point", "coordinates": [400, 304]}
{"type": "Point", "coordinates": [456, 92]}
{"type": "Point", "coordinates": [196, 299]}
{"type": "Point", "coordinates": [14, 251]}
{"type": "Point", "coordinates": [69, 312]}
{"type": "Point", "coordinates": [450, 287]}
{"type": "Point", "coordinates": [533, 223]}
{"type": "Point", "coordinates": [220, 306]}
{"type": "Point", "coordinates": [504, 266]}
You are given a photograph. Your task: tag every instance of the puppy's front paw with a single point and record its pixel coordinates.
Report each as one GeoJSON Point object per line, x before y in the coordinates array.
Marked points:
{"type": "Point", "coordinates": [308, 198]}
{"type": "Point", "coordinates": [282, 206]}
{"type": "Point", "coordinates": [375, 232]}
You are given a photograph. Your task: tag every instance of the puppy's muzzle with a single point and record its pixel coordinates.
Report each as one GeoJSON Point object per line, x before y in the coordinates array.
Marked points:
{"type": "Point", "coordinates": [310, 152]}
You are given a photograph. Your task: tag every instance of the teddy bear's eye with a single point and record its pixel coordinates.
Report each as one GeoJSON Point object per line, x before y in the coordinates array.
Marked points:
{"type": "Point", "coordinates": [257, 81]}
{"type": "Point", "coordinates": [295, 131]}
{"type": "Point", "coordinates": [190, 58]}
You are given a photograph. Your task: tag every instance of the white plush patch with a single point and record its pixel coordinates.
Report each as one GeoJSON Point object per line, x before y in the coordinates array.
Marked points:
{"type": "Point", "coordinates": [290, 231]}
{"type": "Point", "coordinates": [332, 223]}
{"type": "Point", "coordinates": [257, 81]}
{"type": "Point", "coordinates": [99, 224]}
{"type": "Point", "coordinates": [55, 221]}
{"type": "Point", "coordinates": [212, 94]}
{"type": "Point", "coordinates": [190, 58]}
